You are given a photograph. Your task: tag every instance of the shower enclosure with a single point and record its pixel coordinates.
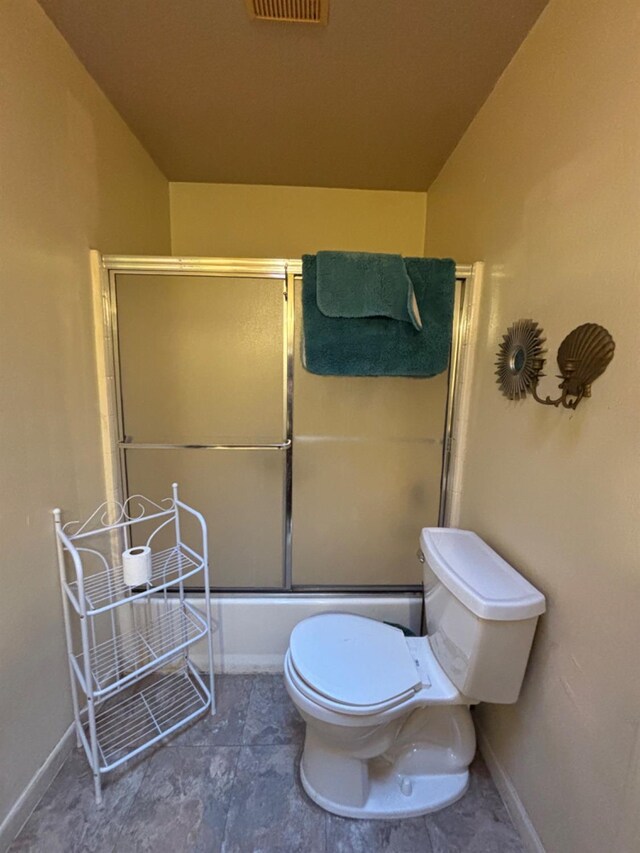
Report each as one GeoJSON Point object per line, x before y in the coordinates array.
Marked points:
{"type": "Point", "coordinates": [308, 483]}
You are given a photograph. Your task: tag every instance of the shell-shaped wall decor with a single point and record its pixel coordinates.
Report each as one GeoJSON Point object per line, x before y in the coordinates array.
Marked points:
{"type": "Point", "coordinates": [519, 359]}
{"type": "Point", "coordinates": [583, 356]}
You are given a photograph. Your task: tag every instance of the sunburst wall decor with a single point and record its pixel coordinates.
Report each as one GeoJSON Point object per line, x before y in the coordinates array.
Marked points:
{"type": "Point", "coordinates": [520, 359]}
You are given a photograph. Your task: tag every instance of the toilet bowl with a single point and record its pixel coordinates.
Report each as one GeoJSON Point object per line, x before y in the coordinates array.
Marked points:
{"type": "Point", "coordinates": [388, 728]}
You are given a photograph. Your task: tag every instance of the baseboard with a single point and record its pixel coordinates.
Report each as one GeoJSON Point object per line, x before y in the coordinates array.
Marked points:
{"type": "Point", "coordinates": [35, 790]}
{"type": "Point", "coordinates": [512, 801]}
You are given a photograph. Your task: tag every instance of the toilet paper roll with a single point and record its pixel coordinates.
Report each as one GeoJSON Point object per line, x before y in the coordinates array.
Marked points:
{"type": "Point", "coordinates": [136, 565]}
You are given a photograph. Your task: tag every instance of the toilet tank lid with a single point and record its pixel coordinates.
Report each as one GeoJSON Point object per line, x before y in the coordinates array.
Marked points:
{"type": "Point", "coordinates": [472, 571]}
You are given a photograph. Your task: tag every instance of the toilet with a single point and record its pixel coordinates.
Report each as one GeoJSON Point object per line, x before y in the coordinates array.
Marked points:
{"type": "Point", "coordinates": [388, 729]}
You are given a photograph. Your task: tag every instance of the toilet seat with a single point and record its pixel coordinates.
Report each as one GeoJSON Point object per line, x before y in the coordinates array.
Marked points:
{"type": "Point", "coordinates": [343, 710]}
{"type": "Point", "coordinates": [351, 664]}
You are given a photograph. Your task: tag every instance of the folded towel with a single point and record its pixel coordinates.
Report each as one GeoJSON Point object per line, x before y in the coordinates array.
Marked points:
{"type": "Point", "coordinates": [379, 346]}
{"type": "Point", "coordinates": [362, 284]}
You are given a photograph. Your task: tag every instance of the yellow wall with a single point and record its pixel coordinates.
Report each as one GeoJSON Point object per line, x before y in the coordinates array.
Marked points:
{"type": "Point", "coordinates": [237, 221]}
{"type": "Point", "coordinates": [545, 187]}
{"type": "Point", "coordinates": [73, 177]}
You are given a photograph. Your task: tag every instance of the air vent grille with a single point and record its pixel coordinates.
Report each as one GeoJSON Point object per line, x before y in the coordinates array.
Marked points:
{"type": "Point", "coordinates": [292, 11]}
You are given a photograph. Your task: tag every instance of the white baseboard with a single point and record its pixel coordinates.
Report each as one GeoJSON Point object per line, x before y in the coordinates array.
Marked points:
{"type": "Point", "coordinates": [512, 801]}
{"type": "Point", "coordinates": [35, 790]}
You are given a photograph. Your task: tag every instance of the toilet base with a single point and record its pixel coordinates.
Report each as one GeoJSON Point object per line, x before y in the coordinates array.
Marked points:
{"type": "Point", "coordinates": [386, 800]}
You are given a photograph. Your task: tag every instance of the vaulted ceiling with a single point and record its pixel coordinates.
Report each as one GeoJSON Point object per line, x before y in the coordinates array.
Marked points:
{"type": "Point", "coordinates": [377, 99]}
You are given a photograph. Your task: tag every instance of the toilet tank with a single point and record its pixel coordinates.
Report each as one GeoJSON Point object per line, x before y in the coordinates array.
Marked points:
{"type": "Point", "coordinates": [481, 614]}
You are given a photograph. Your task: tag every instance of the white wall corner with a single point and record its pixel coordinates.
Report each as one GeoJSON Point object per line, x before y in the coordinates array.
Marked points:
{"type": "Point", "coordinates": [35, 790]}
{"type": "Point", "coordinates": [462, 402]}
{"type": "Point", "coordinates": [105, 368]}
{"type": "Point", "coordinates": [510, 798]}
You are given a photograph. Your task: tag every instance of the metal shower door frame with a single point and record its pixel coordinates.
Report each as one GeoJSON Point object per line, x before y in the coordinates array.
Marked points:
{"type": "Point", "coordinates": [105, 270]}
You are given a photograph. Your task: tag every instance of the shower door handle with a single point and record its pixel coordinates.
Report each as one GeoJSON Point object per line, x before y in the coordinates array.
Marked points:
{"type": "Point", "coordinates": [129, 444]}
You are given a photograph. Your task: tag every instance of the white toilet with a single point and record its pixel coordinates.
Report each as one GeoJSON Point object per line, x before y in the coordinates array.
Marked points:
{"type": "Point", "coordinates": [389, 733]}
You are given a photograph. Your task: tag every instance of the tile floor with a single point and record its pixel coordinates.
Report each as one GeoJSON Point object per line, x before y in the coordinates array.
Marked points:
{"type": "Point", "coordinates": [230, 784]}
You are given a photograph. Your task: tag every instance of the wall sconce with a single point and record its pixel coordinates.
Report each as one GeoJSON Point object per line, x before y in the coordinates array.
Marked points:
{"type": "Point", "coordinates": [582, 356]}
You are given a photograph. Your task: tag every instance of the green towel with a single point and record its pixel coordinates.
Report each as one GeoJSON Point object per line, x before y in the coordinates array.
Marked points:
{"type": "Point", "coordinates": [379, 346]}
{"type": "Point", "coordinates": [363, 284]}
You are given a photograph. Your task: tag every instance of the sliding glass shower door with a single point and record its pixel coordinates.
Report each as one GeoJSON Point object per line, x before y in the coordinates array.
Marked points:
{"type": "Point", "coordinates": [306, 482]}
{"type": "Point", "coordinates": [203, 403]}
{"type": "Point", "coordinates": [367, 462]}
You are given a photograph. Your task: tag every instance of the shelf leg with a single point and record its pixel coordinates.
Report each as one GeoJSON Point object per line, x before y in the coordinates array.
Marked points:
{"type": "Point", "coordinates": [91, 707]}
{"type": "Point", "coordinates": [212, 689]}
{"type": "Point", "coordinates": [93, 743]}
{"type": "Point", "coordinates": [207, 604]}
{"type": "Point", "coordinates": [207, 589]}
{"type": "Point", "coordinates": [174, 487]}
{"type": "Point", "coordinates": [97, 787]}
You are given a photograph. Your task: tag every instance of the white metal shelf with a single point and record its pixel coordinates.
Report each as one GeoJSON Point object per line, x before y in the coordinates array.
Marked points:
{"type": "Point", "coordinates": [125, 635]}
{"type": "Point", "coordinates": [123, 658]}
{"type": "Point", "coordinates": [107, 589]}
{"type": "Point", "coordinates": [126, 726]}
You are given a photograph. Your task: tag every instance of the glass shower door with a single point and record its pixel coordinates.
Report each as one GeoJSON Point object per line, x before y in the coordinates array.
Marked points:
{"type": "Point", "coordinates": [367, 464]}
{"type": "Point", "coordinates": [203, 403]}
{"type": "Point", "coordinates": [212, 387]}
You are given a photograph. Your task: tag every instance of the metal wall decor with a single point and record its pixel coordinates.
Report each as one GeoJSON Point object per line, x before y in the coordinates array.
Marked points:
{"type": "Point", "coordinates": [520, 352]}
{"type": "Point", "coordinates": [582, 357]}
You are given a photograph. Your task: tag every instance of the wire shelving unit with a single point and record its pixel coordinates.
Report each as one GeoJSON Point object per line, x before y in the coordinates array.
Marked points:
{"type": "Point", "coordinates": [132, 680]}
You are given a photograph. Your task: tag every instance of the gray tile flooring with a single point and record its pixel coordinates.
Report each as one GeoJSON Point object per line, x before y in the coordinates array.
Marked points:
{"type": "Point", "coordinates": [230, 783]}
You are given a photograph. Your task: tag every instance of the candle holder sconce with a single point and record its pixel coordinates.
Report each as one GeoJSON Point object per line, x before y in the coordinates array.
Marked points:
{"type": "Point", "coordinates": [582, 357]}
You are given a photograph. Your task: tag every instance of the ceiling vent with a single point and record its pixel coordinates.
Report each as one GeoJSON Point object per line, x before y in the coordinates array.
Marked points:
{"type": "Point", "coordinates": [291, 11]}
